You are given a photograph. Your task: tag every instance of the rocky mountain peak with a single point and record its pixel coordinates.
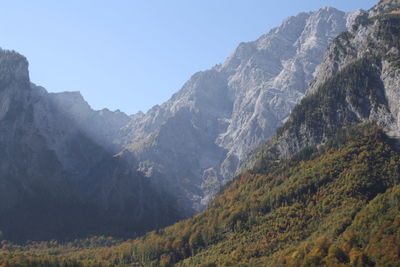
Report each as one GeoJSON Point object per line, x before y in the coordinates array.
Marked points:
{"type": "Point", "coordinates": [357, 82]}
{"type": "Point", "coordinates": [196, 140]}
{"type": "Point", "coordinates": [384, 6]}
{"type": "Point", "coordinates": [13, 67]}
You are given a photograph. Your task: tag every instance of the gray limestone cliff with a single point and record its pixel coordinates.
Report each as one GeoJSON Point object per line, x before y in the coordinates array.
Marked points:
{"type": "Point", "coordinates": [357, 82]}
{"type": "Point", "coordinates": [194, 143]}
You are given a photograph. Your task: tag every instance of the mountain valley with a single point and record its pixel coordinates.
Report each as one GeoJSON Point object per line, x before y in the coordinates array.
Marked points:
{"type": "Point", "coordinates": [286, 154]}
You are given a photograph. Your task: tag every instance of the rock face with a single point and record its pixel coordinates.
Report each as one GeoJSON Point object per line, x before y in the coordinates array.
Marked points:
{"type": "Point", "coordinates": [194, 142]}
{"type": "Point", "coordinates": [57, 179]}
{"type": "Point", "coordinates": [358, 81]}
{"type": "Point", "coordinates": [101, 126]}
{"type": "Point", "coordinates": [384, 6]}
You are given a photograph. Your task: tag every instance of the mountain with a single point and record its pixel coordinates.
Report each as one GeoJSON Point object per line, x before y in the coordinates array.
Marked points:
{"type": "Point", "coordinates": [58, 180]}
{"type": "Point", "coordinates": [357, 82]}
{"type": "Point", "coordinates": [194, 143]}
{"type": "Point", "coordinates": [324, 191]}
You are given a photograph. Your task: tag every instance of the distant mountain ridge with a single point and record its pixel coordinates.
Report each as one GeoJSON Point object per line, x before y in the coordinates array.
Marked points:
{"type": "Point", "coordinates": [195, 142]}
{"type": "Point", "coordinates": [59, 178]}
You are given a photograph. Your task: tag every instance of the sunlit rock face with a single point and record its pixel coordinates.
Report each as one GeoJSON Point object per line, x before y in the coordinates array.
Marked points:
{"type": "Point", "coordinates": [194, 142]}
{"type": "Point", "coordinates": [360, 72]}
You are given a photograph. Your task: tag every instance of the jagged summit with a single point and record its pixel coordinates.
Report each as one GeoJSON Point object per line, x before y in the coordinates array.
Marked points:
{"type": "Point", "coordinates": [13, 66]}
{"type": "Point", "coordinates": [384, 6]}
{"type": "Point", "coordinates": [197, 139]}
{"type": "Point", "coordinates": [358, 81]}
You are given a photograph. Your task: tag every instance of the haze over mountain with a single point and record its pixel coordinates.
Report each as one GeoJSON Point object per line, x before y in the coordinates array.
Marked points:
{"type": "Point", "coordinates": [60, 178]}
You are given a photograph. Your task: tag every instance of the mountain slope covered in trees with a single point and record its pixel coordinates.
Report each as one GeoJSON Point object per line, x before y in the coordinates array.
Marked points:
{"type": "Point", "coordinates": [310, 209]}
{"type": "Point", "coordinates": [324, 190]}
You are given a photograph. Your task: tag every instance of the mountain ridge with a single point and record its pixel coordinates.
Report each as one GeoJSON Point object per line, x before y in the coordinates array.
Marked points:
{"type": "Point", "coordinates": [48, 171]}
{"type": "Point", "coordinates": [195, 142]}
{"type": "Point", "coordinates": [372, 96]}
{"type": "Point", "coordinates": [232, 108]}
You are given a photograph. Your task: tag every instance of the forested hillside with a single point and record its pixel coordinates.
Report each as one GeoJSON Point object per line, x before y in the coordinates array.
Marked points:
{"type": "Point", "coordinates": [310, 209]}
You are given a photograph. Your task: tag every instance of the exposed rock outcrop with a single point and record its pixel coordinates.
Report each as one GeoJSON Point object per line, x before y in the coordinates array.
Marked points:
{"type": "Point", "coordinates": [358, 81]}
{"type": "Point", "coordinates": [194, 142]}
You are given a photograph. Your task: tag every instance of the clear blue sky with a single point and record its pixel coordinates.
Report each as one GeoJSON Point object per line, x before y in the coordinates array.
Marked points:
{"type": "Point", "coordinates": [133, 54]}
